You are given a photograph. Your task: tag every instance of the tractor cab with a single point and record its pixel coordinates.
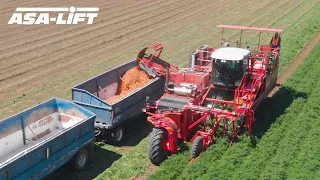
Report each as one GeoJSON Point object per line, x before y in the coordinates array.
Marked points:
{"type": "Point", "coordinates": [228, 67]}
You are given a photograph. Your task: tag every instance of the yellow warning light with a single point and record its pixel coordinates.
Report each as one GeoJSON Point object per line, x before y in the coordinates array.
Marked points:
{"type": "Point", "coordinates": [169, 128]}
{"type": "Point", "coordinates": [240, 101]}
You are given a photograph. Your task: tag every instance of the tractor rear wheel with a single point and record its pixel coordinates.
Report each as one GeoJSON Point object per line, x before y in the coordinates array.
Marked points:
{"type": "Point", "coordinates": [155, 150]}
{"type": "Point", "coordinates": [196, 147]}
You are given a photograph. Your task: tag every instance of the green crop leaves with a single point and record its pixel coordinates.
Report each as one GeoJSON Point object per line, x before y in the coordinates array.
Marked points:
{"type": "Point", "coordinates": [132, 163]}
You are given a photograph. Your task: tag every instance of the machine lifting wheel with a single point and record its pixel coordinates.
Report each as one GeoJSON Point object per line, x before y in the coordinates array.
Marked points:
{"type": "Point", "coordinates": [196, 147]}
{"type": "Point", "coordinates": [81, 159]}
{"type": "Point", "coordinates": [117, 135]}
{"type": "Point", "coordinates": [155, 150]}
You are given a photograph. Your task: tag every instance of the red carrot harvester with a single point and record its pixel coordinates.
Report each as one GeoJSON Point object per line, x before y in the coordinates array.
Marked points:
{"type": "Point", "coordinates": [216, 96]}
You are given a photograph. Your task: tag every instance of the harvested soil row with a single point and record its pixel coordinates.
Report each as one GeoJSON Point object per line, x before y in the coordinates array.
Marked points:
{"type": "Point", "coordinates": [55, 47]}
{"type": "Point", "coordinates": [27, 69]}
{"type": "Point", "coordinates": [97, 50]}
{"type": "Point", "coordinates": [254, 12]}
{"type": "Point", "coordinates": [107, 17]}
{"type": "Point", "coordinates": [31, 29]}
{"type": "Point", "coordinates": [43, 63]}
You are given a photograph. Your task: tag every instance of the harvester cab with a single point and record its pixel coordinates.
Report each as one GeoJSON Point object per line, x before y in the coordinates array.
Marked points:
{"type": "Point", "coordinates": [228, 67]}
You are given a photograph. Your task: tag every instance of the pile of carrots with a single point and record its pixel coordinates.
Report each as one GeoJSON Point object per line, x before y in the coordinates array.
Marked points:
{"type": "Point", "coordinates": [132, 79]}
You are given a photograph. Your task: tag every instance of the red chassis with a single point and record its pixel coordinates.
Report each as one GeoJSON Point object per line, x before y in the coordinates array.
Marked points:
{"type": "Point", "coordinates": [189, 112]}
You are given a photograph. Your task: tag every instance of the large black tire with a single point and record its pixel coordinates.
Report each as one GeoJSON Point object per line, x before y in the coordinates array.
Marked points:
{"type": "Point", "coordinates": [117, 135]}
{"type": "Point", "coordinates": [81, 159]}
{"type": "Point", "coordinates": [156, 153]}
{"type": "Point", "coordinates": [196, 147]}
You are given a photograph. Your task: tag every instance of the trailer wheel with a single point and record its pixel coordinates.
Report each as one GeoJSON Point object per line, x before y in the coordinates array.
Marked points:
{"type": "Point", "coordinates": [117, 135]}
{"type": "Point", "coordinates": [196, 147]}
{"type": "Point", "coordinates": [81, 159]}
{"type": "Point", "coordinates": [156, 153]}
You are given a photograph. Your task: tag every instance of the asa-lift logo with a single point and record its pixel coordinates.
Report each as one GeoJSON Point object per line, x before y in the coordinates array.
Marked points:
{"type": "Point", "coordinates": [41, 15]}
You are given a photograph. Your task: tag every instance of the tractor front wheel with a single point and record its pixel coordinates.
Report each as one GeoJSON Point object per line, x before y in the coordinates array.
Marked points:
{"type": "Point", "coordinates": [196, 147]}
{"type": "Point", "coordinates": [155, 150]}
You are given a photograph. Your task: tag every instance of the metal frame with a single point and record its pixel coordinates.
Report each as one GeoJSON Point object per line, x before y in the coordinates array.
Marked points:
{"type": "Point", "coordinates": [242, 28]}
